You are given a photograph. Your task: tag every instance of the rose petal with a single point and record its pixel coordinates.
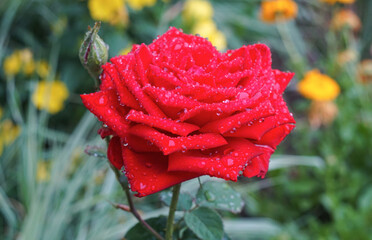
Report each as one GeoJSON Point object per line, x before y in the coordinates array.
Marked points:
{"type": "Point", "coordinates": [282, 78]}
{"type": "Point", "coordinates": [223, 107]}
{"type": "Point", "coordinates": [169, 125]}
{"type": "Point", "coordinates": [106, 82]}
{"type": "Point", "coordinates": [114, 153]}
{"type": "Point", "coordinates": [160, 78]}
{"type": "Point", "coordinates": [135, 88]}
{"type": "Point", "coordinates": [169, 145]}
{"type": "Point", "coordinates": [274, 136]}
{"type": "Point", "coordinates": [224, 125]}
{"type": "Point", "coordinates": [143, 58]}
{"type": "Point", "coordinates": [104, 104]}
{"type": "Point", "coordinates": [258, 166]}
{"type": "Point", "coordinates": [126, 98]}
{"type": "Point", "coordinates": [147, 172]}
{"type": "Point", "coordinates": [226, 162]}
{"type": "Point", "coordinates": [105, 131]}
{"type": "Point", "coordinates": [170, 99]}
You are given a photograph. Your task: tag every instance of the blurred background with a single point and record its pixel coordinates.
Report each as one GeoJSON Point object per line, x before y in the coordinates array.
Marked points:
{"type": "Point", "coordinates": [54, 179]}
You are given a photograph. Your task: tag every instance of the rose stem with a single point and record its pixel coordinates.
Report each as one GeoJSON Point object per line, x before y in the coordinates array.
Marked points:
{"type": "Point", "coordinates": [132, 209]}
{"type": "Point", "coordinates": [172, 210]}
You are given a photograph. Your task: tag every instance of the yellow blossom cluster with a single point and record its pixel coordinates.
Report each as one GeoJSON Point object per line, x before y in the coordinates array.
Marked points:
{"type": "Point", "coordinates": [278, 10]}
{"type": "Point", "coordinates": [23, 61]}
{"type": "Point", "coordinates": [115, 11]}
{"type": "Point", "coordinates": [8, 133]}
{"type": "Point", "coordinates": [198, 14]}
{"type": "Point", "coordinates": [50, 96]}
{"type": "Point", "coordinates": [319, 87]}
{"type": "Point", "coordinates": [43, 171]}
{"type": "Point", "coordinates": [139, 4]}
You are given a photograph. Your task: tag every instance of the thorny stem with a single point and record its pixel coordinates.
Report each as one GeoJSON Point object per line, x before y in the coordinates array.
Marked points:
{"type": "Point", "coordinates": [132, 209]}
{"type": "Point", "coordinates": [172, 210]}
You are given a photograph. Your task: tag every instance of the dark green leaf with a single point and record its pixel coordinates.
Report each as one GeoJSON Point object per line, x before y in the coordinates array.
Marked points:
{"type": "Point", "coordinates": [220, 196]}
{"type": "Point", "coordinates": [205, 223]}
{"type": "Point", "coordinates": [184, 200]}
{"type": "Point", "coordinates": [139, 232]}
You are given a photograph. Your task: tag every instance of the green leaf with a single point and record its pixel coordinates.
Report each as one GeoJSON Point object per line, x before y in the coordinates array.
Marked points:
{"type": "Point", "coordinates": [220, 196]}
{"type": "Point", "coordinates": [139, 232]}
{"type": "Point", "coordinates": [184, 200]}
{"type": "Point", "coordinates": [205, 223]}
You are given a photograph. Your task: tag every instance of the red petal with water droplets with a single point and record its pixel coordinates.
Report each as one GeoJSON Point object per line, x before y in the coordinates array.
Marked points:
{"type": "Point", "coordinates": [143, 59]}
{"type": "Point", "coordinates": [225, 162]}
{"type": "Point", "coordinates": [170, 99]}
{"type": "Point", "coordinates": [282, 78]}
{"type": "Point", "coordinates": [169, 145]}
{"type": "Point", "coordinates": [137, 91]}
{"type": "Point", "coordinates": [126, 98]}
{"type": "Point", "coordinates": [105, 105]}
{"type": "Point", "coordinates": [106, 81]}
{"type": "Point", "coordinates": [105, 131]}
{"type": "Point", "coordinates": [258, 167]}
{"type": "Point", "coordinates": [166, 124]}
{"type": "Point", "coordinates": [223, 107]}
{"type": "Point", "coordinates": [273, 137]}
{"type": "Point", "coordinates": [114, 153]}
{"type": "Point", "coordinates": [224, 125]}
{"type": "Point", "coordinates": [147, 172]}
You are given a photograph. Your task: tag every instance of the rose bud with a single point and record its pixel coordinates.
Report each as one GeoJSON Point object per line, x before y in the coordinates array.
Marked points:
{"type": "Point", "coordinates": [93, 52]}
{"type": "Point", "coordinates": [178, 109]}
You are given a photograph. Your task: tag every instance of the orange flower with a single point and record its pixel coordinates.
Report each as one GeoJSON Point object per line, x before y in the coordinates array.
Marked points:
{"type": "Point", "coordinates": [346, 56]}
{"type": "Point", "coordinates": [340, 1]}
{"type": "Point", "coordinates": [319, 87]}
{"type": "Point", "coordinates": [365, 71]}
{"type": "Point", "coordinates": [346, 18]}
{"type": "Point", "coordinates": [274, 10]}
{"type": "Point", "coordinates": [322, 113]}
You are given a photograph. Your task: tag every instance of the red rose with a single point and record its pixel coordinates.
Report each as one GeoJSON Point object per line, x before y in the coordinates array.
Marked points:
{"type": "Point", "coordinates": [179, 109]}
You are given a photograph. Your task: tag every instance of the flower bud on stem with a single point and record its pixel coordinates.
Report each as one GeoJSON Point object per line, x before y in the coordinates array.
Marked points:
{"type": "Point", "coordinates": [93, 52]}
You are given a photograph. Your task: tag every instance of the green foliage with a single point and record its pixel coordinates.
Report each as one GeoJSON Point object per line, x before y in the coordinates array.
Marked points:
{"type": "Point", "coordinates": [184, 200]}
{"type": "Point", "coordinates": [139, 232]}
{"type": "Point", "coordinates": [219, 196]}
{"type": "Point", "coordinates": [205, 223]}
{"type": "Point", "coordinates": [320, 191]}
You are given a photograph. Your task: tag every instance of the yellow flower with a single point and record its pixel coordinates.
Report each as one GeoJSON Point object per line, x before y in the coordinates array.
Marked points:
{"type": "Point", "coordinates": [126, 50]}
{"type": "Point", "coordinates": [43, 171]}
{"type": "Point", "coordinates": [346, 17]}
{"type": "Point", "coordinates": [42, 68]}
{"type": "Point", "coordinates": [1, 146]}
{"type": "Point", "coordinates": [28, 63]}
{"type": "Point", "coordinates": [113, 11]}
{"type": "Point", "coordinates": [340, 1]}
{"type": "Point", "coordinates": [209, 30]}
{"type": "Point", "coordinates": [9, 131]}
{"type": "Point", "coordinates": [139, 4]}
{"type": "Point", "coordinates": [317, 86]}
{"type": "Point", "coordinates": [197, 10]}
{"type": "Point", "coordinates": [50, 96]}
{"type": "Point", "coordinates": [273, 10]}
{"type": "Point", "coordinates": [12, 64]}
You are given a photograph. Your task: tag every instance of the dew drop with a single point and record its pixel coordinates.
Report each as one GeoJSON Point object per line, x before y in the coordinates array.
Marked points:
{"type": "Point", "coordinates": [149, 165]}
{"type": "Point", "coordinates": [230, 162]}
{"type": "Point", "coordinates": [209, 196]}
{"type": "Point", "coordinates": [171, 143]}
